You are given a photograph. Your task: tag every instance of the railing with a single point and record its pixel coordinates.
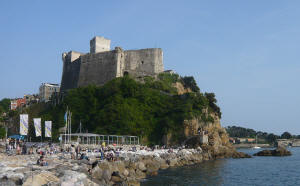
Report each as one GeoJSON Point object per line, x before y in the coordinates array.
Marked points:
{"type": "Point", "coordinates": [95, 139]}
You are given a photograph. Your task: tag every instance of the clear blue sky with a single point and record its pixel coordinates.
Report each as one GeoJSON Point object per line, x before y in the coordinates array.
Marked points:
{"type": "Point", "coordinates": [246, 52]}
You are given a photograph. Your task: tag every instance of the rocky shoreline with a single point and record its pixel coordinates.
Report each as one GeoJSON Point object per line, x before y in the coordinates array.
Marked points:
{"type": "Point", "coordinates": [129, 169]}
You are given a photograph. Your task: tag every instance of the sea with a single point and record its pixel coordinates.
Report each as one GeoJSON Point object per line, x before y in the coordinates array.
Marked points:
{"type": "Point", "coordinates": [258, 170]}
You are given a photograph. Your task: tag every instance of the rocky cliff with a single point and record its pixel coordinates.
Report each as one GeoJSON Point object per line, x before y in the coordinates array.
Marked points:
{"type": "Point", "coordinates": [218, 140]}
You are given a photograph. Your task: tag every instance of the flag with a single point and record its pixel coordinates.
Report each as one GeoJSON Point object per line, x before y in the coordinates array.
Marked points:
{"type": "Point", "coordinates": [37, 126]}
{"type": "Point", "coordinates": [23, 124]}
{"type": "Point", "coordinates": [66, 118]}
{"type": "Point", "coordinates": [48, 126]}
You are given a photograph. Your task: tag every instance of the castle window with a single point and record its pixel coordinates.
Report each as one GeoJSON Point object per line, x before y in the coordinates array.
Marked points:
{"type": "Point", "coordinates": [142, 62]}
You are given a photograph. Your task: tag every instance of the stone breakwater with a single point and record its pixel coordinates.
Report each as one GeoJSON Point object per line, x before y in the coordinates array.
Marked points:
{"type": "Point", "coordinates": [129, 169]}
{"type": "Point", "coordinates": [136, 166]}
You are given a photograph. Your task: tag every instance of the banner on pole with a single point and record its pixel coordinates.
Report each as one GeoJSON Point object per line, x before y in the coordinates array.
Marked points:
{"type": "Point", "coordinates": [23, 124]}
{"type": "Point", "coordinates": [66, 118]}
{"type": "Point", "coordinates": [37, 126]}
{"type": "Point", "coordinates": [48, 126]}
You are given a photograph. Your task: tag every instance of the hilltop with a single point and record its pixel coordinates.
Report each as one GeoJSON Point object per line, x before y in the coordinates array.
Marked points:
{"type": "Point", "coordinates": [151, 108]}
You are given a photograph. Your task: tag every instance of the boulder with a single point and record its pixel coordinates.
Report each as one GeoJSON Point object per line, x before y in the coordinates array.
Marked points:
{"type": "Point", "coordinates": [97, 173]}
{"type": "Point", "coordinates": [119, 166]}
{"type": "Point", "coordinates": [133, 182]}
{"type": "Point", "coordinates": [173, 162]}
{"type": "Point", "coordinates": [141, 166]}
{"type": "Point", "coordinates": [240, 155]}
{"type": "Point", "coordinates": [116, 179]}
{"type": "Point", "coordinates": [73, 178]}
{"type": "Point", "coordinates": [7, 182]}
{"type": "Point", "coordinates": [42, 178]}
{"type": "Point", "coordinates": [106, 175]}
{"type": "Point", "coordinates": [164, 164]}
{"type": "Point", "coordinates": [199, 149]}
{"type": "Point", "coordinates": [139, 174]}
{"type": "Point", "coordinates": [14, 177]}
{"type": "Point", "coordinates": [125, 172]}
{"type": "Point", "coordinates": [152, 167]}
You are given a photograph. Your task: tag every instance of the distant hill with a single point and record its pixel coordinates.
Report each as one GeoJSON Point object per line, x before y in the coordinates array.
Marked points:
{"type": "Point", "coordinates": [241, 132]}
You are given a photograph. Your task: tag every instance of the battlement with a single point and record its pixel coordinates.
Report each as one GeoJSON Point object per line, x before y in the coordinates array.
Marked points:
{"type": "Point", "coordinates": [102, 64]}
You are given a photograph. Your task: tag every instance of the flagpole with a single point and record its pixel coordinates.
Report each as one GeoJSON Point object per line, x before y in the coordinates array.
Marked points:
{"type": "Point", "coordinates": [68, 138]}
{"type": "Point", "coordinates": [68, 118]}
{"type": "Point", "coordinates": [71, 127]}
{"type": "Point", "coordinates": [66, 126]}
{"type": "Point", "coordinates": [80, 127]}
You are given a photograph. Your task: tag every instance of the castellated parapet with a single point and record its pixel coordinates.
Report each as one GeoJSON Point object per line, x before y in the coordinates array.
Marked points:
{"type": "Point", "coordinates": [102, 64]}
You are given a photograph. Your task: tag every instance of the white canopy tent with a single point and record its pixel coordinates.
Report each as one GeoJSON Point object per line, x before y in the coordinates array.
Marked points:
{"type": "Point", "coordinates": [97, 139]}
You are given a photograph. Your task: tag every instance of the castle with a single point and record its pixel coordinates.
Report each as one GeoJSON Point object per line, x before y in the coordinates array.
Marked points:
{"type": "Point", "coordinates": [102, 64]}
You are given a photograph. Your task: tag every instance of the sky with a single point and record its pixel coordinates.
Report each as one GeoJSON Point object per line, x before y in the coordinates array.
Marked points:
{"type": "Point", "coordinates": [246, 52]}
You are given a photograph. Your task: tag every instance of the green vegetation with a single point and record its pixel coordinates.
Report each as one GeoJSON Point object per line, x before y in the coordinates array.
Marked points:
{"type": "Point", "coordinates": [286, 135]}
{"type": "Point", "coordinates": [189, 82]}
{"type": "Point", "coordinates": [126, 107]}
{"type": "Point", "coordinates": [4, 105]}
{"type": "Point", "coordinates": [240, 132]}
{"type": "Point", "coordinates": [2, 132]}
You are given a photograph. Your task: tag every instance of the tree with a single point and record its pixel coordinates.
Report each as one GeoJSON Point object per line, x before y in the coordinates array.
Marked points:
{"type": "Point", "coordinates": [286, 135]}
{"type": "Point", "coordinates": [4, 105]}
{"type": "Point", "coordinates": [240, 132]}
{"type": "Point", "coordinates": [213, 103]}
{"type": "Point", "coordinates": [2, 132]}
{"type": "Point", "coordinates": [190, 82]}
{"type": "Point", "coordinates": [271, 138]}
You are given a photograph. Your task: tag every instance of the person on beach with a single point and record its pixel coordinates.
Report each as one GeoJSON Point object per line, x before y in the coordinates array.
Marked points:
{"type": "Point", "coordinates": [18, 150]}
{"type": "Point", "coordinates": [24, 149]}
{"type": "Point", "coordinates": [102, 154]}
{"type": "Point", "coordinates": [7, 144]}
{"type": "Point", "coordinates": [84, 157]}
{"type": "Point", "coordinates": [77, 151]}
{"type": "Point", "coordinates": [41, 161]}
{"type": "Point", "coordinates": [72, 152]}
{"type": "Point", "coordinates": [31, 150]}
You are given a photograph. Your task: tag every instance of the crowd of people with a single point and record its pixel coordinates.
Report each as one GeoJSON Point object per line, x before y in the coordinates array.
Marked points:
{"type": "Point", "coordinates": [74, 151]}
{"type": "Point", "coordinates": [16, 145]}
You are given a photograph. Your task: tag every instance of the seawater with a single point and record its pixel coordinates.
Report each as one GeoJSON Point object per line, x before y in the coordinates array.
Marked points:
{"type": "Point", "coordinates": [281, 171]}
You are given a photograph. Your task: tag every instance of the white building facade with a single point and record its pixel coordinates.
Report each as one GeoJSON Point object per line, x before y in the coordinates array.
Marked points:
{"type": "Point", "coordinates": [47, 90]}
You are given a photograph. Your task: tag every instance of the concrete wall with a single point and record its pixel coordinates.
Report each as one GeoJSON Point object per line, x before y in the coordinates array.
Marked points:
{"type": "Point", "coordinates": [143, 62]}
{"type": "Point", "coordinates": [98, 68]}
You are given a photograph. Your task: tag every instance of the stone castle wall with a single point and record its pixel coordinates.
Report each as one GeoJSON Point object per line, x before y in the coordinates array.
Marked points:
{"type": "Point", "coordinates": [143, 62]}
{"type": "Point", "coordinates": [97, 68]}
{"type": "Point", "coordinates": [80, 69]}
{"type": "Point", "coordinates": [71, 69]}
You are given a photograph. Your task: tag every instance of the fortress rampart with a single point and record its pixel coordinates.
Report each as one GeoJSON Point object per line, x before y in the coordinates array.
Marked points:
{"type": "Point", "coordinates": [102, 64]}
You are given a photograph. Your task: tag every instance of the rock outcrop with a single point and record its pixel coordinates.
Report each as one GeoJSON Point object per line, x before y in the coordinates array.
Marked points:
{"type": "Point", "coordinates": [280, 151]}
{"type": "Point", "coordinates": [218, 145]}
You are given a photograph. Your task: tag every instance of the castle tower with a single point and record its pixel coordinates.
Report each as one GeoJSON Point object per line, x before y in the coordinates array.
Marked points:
{"type": "Point", "coordinates": [99, 44]}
